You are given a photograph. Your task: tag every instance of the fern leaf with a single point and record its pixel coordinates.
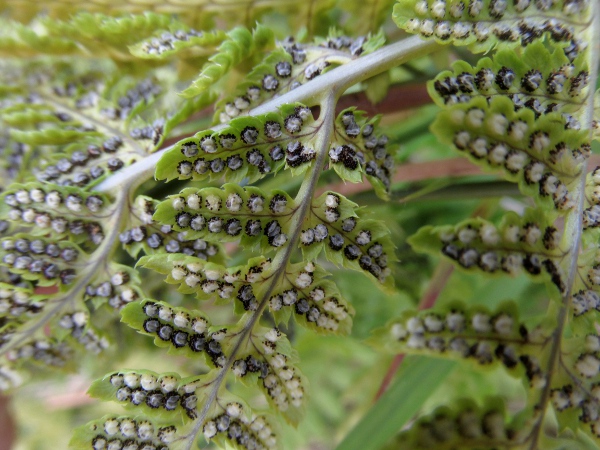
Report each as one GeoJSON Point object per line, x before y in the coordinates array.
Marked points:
{"type": "Point", "coordinates": [518, 244]}
{"type": "Point", "coordinates": [357, 148]}
{"type": "Point", "coordinates": [269, 357]}
{"type": "Point", "coordinates": [349, 239]}
{"type": "Point", "coordinates": [249, 147]}
{"type": "Point", "coordinates": [120, 431]}
{"type": "Point", "coordinates": [472, 333]}
{"type": "Point", "coordinates": [545, 159]}
{"type": "Point", "coordinates": [467, 425]}
{"type": "Point", "coordinates": [241, 44]}
{"type": "Point", "coordinates": [485, 24]}
{"type": "Point", "coordinates": [540, 79]}
{"type": "Point", "coordinates": [289, 66]}
{"type": "Point", "coordinates": [180, 44]}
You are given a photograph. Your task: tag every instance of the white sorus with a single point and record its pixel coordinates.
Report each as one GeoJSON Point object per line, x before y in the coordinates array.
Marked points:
{"type": "Point", "coordinates": [317, 294]}
{"type": "Point", "coordinates": [178, 203]}
{"type": "Point", "coordinates": [592, 343]}
{"type": "Point", "coordinates": [415, 325]}
{"type": "Point", "coordinates": [475, 117]}
{"type": "Point", "coordinates": [168, 383]}
{"type": "Point", "coordinates": [588, 365]}
{"type": "Point", "coordinates": [427, 27]}
{"type": "Point", "coordinates": [286, 373]}
{"type": "Point", "coordinates": [540, 141]}
{"type": "Point", "coordinates": [398, 331]}
{"type": "Point", "coordinates": [42, 221]}
{"type": "Point", "coordinates": [455, 321]}
{"type": "Point", "coordinates": [226, 290]}
{"type": "Point", "coordinates": [219, 335]}
{"type": "Point", "coordinates": [309, 267]}
{"type": "Point", "coordinates": [211, 274]}
{"type": "Point", "coordinates": [413, 25]}
{"type": "Point", "coordinates": [37, 195]}
{"type": "Point", "coordinates": [304, 280]}
{"type": "Point", "coordinates": [479, 147]}
{"type": "Point", "coordinates": [148, 382]}
{"type": "Point", "coordinates": [128, 428]}
{"type": "Point", "coordinates": [421, 7]}
{"type": "Point", "coordinates": [234, 202]}
{"type": "Point", "coordinates": [132, 380]}
{"type": "Point", "coordinates": [181, 319]}
{"type": "Point", "coordinates": [194, 201]}
{"type": "Point", "coordinates": [80, 318]}
{"type": "Point", "coordinates": [231, 277]}
{"type": "Point", "coordinates": [278, 361]}
{"type": "Point", "coordinates": [443, 30]}
{"type": "Point", "coordinates": [167, 435]}
{"type": "Point", "coordinates": [489, 234]}
{"type": "Point", "coordinates": [535, 171]}
{"type": "Point", "coordinates": [145, 430]}
{"type": "Point", "coordinates": [165, 313]}
{"type": "Point", "coordinates": [512, 234]}
{"type": "Point", "coordinates": [482, 31]}
{"type": "Point", "coordinates": [462, 139]}
{"type": "Point", "coordinates": [275, 303]}
{"type": "Point", "coordinates": [73, 202]}
{"type": "Point", "coordinates": [461, 29]}
{"type": "Point", "coordinates": [209, 429]}
{"type": "Point", "coordinates": [192, 280]}
{"type": "Point", "coordinates": [594, 275]}
{"type": "Point", "coordinates": [512, 263]}
{"type": "Point", "coordinates": [481, 323]}
{"type": "Point", "coordinates": [416, 341]}
{"type": "Point", "coordinates": [433, 323]}
{"type": "Point", "coordinates": [498, 124]}
{"type": "Point", "coordinates": [178, 273]}
{"type": "Point", "coordinates": [488, 261]}
{"type": "Point", "coordinates": [498, 154]}
{"type": "Point", "coordinates": [532, 234]}
{"type": "Point", "coordinates": [213, 202]}
{"type": "Point", "coordinates": [273, 335]}
{"type": "Point", "coordinates": [457, 116]}
{"type": "Point", "coordinates": [516, 160]}
{"type": "Point", "coordinates": [234, 410]}
{"type": "Point", "coordinates": [111, 426]}
{"type": "Point", "coordinates": [467, 234]}
{"type": "Point", "coordinates": [199, 325]}
{"type": "Point", "coordinates": [28, 215]}
{"type": "Point", "coordinates": [22, 197]}
{"type": "Point", "coordinates": [208, 144]}
{"type": "Point", "coordinates": [438, 9]}
{"type": "Point", "coordinates": [503, 324]}
{"type": "Point", "coordinates": [119, 278]}
{"type": "Point", "coordinates": [560, 399]}
{"type": "Point", "coordinates": [209, 287]}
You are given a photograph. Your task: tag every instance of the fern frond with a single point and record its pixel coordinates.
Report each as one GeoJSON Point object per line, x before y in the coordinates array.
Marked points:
{"type": "Point", "coordinates": [486, 24]}
{"type": "Point", "coordinates": [290, 65]}
{"type": "Point", "coordinates": [519, 244]}
{"type": "Point", "coordinates": [240, 45]}
{"type": "Point", "coordinates": [248, 147]}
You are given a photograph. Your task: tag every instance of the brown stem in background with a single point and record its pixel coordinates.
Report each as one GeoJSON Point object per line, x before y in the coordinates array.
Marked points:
{"type": "Point", "coordinates": [7, 425]}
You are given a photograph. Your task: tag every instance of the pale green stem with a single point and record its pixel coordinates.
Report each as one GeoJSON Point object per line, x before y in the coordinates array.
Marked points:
{"type": "Point", "coordinates": [573, 230]}
{"type": "Point", "coordinates": [337, 80]}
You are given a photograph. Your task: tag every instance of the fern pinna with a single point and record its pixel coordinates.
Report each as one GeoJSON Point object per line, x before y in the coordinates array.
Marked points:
{"type": "Point", "coordinates": [242, 225]}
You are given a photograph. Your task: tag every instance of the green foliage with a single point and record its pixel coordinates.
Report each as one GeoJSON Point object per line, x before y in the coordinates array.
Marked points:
{"type": "Point", "coordinates": [244, 228]}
